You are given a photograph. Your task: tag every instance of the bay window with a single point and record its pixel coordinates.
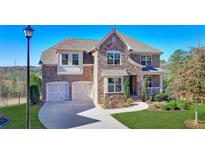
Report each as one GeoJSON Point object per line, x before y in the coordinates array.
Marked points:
{"type": "Point", "coordinates": [114, 57]}
{"type": "Point", "coordinates": [114, 84]}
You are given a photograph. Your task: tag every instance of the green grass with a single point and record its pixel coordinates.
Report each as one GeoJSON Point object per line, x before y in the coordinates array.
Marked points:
{"type": "Point", "coordinates": [158, 119]}
{"type": "Point", "coordinates": [17, 116]}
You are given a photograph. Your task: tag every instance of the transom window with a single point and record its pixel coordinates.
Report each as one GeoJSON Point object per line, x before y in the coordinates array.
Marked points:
{"type": "Point", "coordinates": [114, 84]}
{"type": "Point", "coordinates": [114, 57]}
{"type": "Point", "coordinates": [70, 59]}
{"type": "Point", "coordinates": [75, 59]}
{"type": "Point", "coordinates": [64, 59]}
{"type": "Point", "coordinates": [146, 60]}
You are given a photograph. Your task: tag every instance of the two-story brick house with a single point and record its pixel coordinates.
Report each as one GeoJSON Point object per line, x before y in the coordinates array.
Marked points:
{"type": "Point", "coordinates": [81, 69]}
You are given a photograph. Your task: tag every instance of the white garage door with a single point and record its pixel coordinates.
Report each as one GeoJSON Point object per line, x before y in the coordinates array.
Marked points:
{"type": "Point", "coordinates": [57, 91]}
{"type": "Point", "coordinates": [81, 90]}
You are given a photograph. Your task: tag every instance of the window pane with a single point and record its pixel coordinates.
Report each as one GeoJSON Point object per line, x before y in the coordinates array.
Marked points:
{"type": "Point", "coordinates": [75, 59]}
{"type": "Point", "coordinates": [149, 63]}
{"type": "Point", "coordinates": [64, 59]}
{"type": "Point", "coordinates": [117, 80]}
{"type": "Point", "coordinates": [110, 80]}
{"type": "Point", "coordinates": [117, 55]}
{"type": "Point", "coordinates": [110, 88]}
{"type": "Point", "coordinates": [110, 61]}
{"type": "Point", "coordinates": [149, 60]}
{"type": "Point", "coordinates": [117, 61]}
{"type": "Point", "coordinates": [75, 62]}
{"type": "Point", "coordinates": [118, 88]}
{"type": "Point", "coordinates": [143, 63]}
{"type": "Point", "coordinates": [110, 55]}
{"type": "Point", "coordinates": [143, 58]}
{"type": "Point", "coordinates": [75, 56]}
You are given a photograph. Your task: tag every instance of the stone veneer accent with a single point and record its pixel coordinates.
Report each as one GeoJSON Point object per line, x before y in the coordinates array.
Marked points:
{"type": "Point", "coordinates": [49, 74]}
{"type": "Point", "coordinates": [118, 45]}
{"type": "Point", "coordinates": [115, 97]}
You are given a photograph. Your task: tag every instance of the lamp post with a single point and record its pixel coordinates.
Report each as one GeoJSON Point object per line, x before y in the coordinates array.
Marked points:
{"type": "Point", "coordinates": [28, 33]}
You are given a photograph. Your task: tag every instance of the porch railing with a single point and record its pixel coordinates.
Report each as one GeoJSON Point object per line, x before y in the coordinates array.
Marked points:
{"type": "Point", "coordinates": [153, 90]}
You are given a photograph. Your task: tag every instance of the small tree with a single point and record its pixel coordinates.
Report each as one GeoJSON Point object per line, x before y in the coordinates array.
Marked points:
{"type": "Point", "coordinates": [36, 80]}
{"type": "Point", "coordinates": [127, 87]}
{"type": "Point", "coordinates": [145, 88]}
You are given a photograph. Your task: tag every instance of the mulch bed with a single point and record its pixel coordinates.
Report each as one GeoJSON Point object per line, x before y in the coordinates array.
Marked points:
{"type": "Point", "coordinates": [3, 121]}
{"type": "Point", "coordinates": [191, 124]}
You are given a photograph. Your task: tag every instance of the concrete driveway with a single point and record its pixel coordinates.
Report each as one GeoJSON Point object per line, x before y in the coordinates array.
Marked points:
{"type": "Point", "coordinates": [80, 114]}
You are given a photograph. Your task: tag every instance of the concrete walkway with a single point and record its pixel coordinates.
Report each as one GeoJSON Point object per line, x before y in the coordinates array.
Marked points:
{"type": "Point", "coordinates": [84, 114]}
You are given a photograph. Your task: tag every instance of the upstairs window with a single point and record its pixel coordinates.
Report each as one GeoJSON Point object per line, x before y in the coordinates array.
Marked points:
{"type": "Point", "coordinates": [114, 57]}
{"type": "Point", "coordinates": [146, 60]}
{"type": "Point", "coordinates": [75, 59]}
{"type": "Point", "coordinates": [64, 59]}
{"type": "Point", "coordinates": [69, 59]}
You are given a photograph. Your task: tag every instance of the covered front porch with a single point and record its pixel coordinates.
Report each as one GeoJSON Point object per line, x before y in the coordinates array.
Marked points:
{"type": "Point", "coordinates": [154, 84]}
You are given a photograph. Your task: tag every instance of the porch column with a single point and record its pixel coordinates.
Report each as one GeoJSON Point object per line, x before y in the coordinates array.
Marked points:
{"type": "Point", "coordinates": [161, 82]}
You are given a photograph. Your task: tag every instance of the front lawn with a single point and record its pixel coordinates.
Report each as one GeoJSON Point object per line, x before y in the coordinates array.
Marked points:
{"type": "Point", "coordinates": [17, 116]}
{"type": "Point", "coordinates": [158, 119]}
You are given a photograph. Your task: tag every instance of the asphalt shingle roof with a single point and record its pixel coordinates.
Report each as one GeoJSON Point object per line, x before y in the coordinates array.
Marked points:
{"type": "Point", "coordinates": [49, 55]}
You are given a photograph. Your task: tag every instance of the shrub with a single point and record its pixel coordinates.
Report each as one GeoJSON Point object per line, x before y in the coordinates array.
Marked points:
{"type": "Point", "coordinates": [175, 104]}
{"type": "Point", "coordinates": [156, 105]}
{"type": "Point", "coordinates": [161, 97]}
{"type": "Point", "coordinates": [34, 94]}
{"type": "Point", "coordinates": [163, 106]}
{"type": "Point", "coordinates": [105, 102]}
{"type": "Point", "coordinates": [130, 100]}
{"type": "Point", "coordinates": [171, 105]}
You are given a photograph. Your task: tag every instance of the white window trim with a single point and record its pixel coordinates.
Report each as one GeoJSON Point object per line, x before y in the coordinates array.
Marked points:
{"type": "Point", "coordinates": [61, 59]}
{"type": "Point", "coordinates": [106, 85]}
{"type": "Point", "coordinates": [70, 59]}
{"type": "Point", "coordinates": [145, 60]}
{"type": "Point", "coordinates": [113, 58]}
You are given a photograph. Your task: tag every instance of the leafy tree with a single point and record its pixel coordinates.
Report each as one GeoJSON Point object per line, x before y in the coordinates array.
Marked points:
{"type": "Point", "coordinates": [190, 79]}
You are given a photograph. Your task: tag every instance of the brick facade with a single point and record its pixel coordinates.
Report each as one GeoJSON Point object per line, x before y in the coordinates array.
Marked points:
{"type": "Point", "coordinates": [49, 74]}
{"type": "Point", "coordinates": [118, 45]}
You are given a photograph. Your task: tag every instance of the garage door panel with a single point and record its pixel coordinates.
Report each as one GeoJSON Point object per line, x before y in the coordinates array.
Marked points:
{"type": "Point", "coordinates": [57, 91]}
{"type": "Point", "coordinates": [81, 90]}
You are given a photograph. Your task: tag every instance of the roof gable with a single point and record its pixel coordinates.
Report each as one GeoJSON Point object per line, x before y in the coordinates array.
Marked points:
{"type": "Point", "coordinates": [108, 35]}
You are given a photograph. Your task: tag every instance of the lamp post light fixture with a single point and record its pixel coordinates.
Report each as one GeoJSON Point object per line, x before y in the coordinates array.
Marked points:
{"type": "Point", "coordinates": [28, 31]}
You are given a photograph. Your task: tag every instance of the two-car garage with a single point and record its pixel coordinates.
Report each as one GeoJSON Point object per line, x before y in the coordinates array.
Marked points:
{"type": "Point", "coordinates": [62, 91]}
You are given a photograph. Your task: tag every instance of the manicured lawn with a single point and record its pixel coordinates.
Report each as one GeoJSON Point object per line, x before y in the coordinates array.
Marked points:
{"type": "Point", "coordinates": [17, 116]}
{"type": "Point", "coordinates": [158, 119]}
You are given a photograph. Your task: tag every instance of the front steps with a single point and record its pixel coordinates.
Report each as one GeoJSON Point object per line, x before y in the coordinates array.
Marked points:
{"type": "Point", "coordinates": [136, 98]}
